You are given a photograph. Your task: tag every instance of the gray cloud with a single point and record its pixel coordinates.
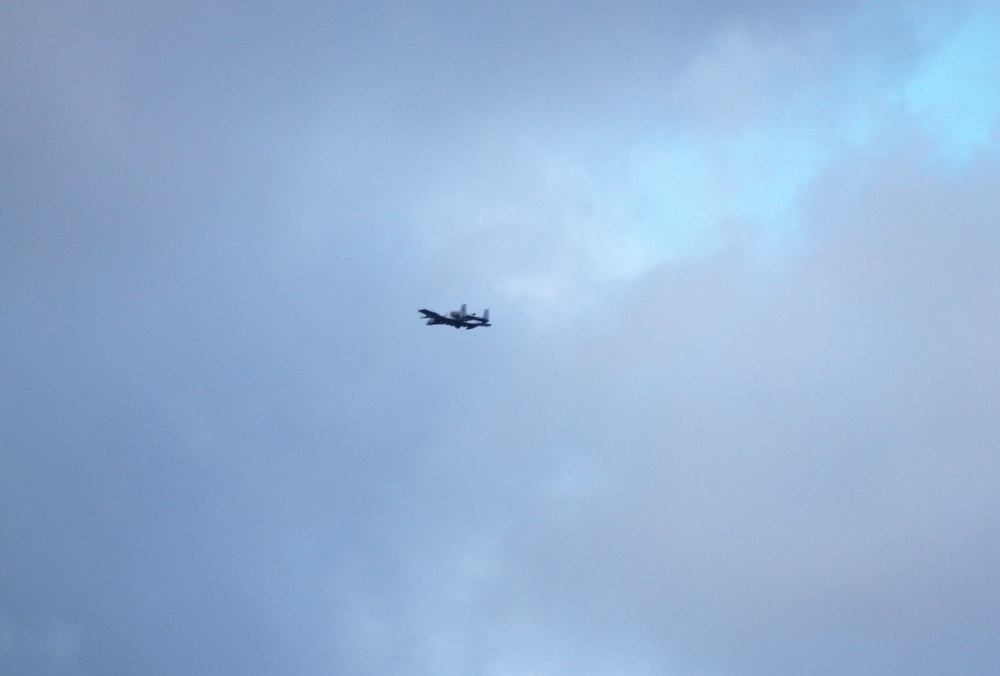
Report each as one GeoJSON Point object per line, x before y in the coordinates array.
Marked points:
{"type": "Point", "coordinates": [227, 444]}
{"type": "Point", "coordinates": [764, 470]}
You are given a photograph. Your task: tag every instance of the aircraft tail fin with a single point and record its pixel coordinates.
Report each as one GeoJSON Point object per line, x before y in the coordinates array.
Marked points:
{"type": "Point", "coordinates": [486, 315]}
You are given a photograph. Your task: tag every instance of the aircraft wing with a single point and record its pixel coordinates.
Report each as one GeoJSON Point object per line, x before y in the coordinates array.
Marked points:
{"type": "Point", "coordinates": [434, 318]}
{"type": "Point", "coordinates": [465, 321]}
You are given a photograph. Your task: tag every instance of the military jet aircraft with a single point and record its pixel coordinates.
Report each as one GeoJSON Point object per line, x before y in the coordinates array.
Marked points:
{"type": "Point", "coordinates": [460, 319]}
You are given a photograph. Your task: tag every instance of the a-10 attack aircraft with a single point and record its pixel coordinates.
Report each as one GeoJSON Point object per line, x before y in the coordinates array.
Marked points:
{"type": "Point", "coordinates": [458, 318]}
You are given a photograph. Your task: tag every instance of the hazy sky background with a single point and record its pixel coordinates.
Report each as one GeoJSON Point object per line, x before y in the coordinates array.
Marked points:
{"type": "Point", "coordinates": [737, 414]}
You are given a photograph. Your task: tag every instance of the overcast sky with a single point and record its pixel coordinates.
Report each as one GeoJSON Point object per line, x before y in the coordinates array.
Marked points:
{"type": "Point", "coordinates": [737, 414]}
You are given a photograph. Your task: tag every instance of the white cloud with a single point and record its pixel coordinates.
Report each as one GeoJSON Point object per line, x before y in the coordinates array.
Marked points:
{"type": "Point", "coordinates": [802, 460]}
{"type": "Point", "coordinates": [710, 464]}
{"type": "Point", "coordinates": [732, 149]}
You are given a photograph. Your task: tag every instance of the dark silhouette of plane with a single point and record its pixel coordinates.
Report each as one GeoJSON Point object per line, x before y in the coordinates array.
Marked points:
{"type": "Point", "coordinates": [457, 318]}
